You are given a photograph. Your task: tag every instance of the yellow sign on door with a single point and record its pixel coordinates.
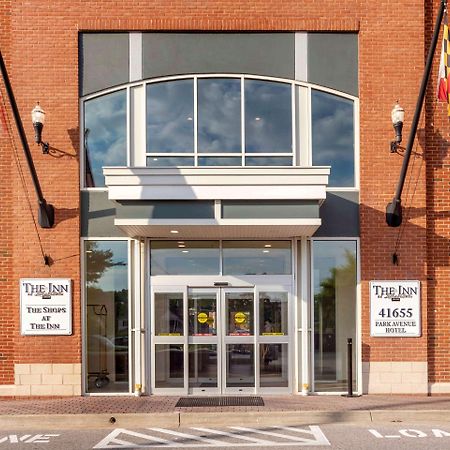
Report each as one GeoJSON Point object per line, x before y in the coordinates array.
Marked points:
{"type": "Point", "coordinates": [202, 317]}
{"type": "Point", "coordinates": [240, 317]}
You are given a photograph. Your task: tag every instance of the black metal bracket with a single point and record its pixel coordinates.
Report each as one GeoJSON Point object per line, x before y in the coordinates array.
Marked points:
{"type": "Point", "coordinates": [46, 215]}
{"type": "Point", "coordinates": [394, 208]}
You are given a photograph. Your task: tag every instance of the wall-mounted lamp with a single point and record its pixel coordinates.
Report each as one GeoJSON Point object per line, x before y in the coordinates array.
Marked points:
{"type": "Point", "coordinates": [38, 118]}
{"type": "Point", "coordinates": [398, 116]}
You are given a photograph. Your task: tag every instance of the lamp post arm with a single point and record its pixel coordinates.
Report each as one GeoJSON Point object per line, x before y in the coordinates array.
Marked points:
{"type": "Point", "coordinates": [46, 211]}
{"type": "Point", "coordinates": [394, 209]}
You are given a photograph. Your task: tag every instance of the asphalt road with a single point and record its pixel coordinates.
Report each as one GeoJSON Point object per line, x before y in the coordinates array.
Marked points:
{"type": "Point", "coordinates": [424, 435]}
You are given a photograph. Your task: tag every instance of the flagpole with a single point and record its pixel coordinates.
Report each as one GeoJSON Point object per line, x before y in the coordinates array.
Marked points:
{"type": "Point", "coordinates": [394, 208]}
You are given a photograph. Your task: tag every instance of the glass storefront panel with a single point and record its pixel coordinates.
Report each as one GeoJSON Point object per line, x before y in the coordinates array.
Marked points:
{"type": "Point", "coordinates": [202, 314]}
{"type": "Point", "coordinates": [169, 366]}
{"type": "Point", "coordinates": [107, 299]}
{"type": "Point", "coordinates": [169, 311]}
{"type": "Point", "coordinates": [219, 161]}
{"type": "Point", "coordinates": [268, 161]}
{"type": "Point", "coordinates": [202, 365]}
{"type": "Point", "coordinates": [219, 115]}
{"type": "Point", "coordinates": [184, 258]}
{"type": "Point", "coordinates": [240, 365]}
{"type": "Point", "coordinates": [105, 135]}
{"type": "Point", "coordinates": [333, 136]}
{"type": "Point", "coordinates": [273, 365]}
{"type": "Point", "coordinates": [268, 117]}
{"type": "Point", "coordinates": [170, 117]}
{"type": "Point", "coordinates": [273, 313]}
{"type": "Point", "coordinates": [239, 313]}
{"type": "Point", "coordinates": [169, 161]}
{"type": "Point", "coordinates": [257, 258]}
{"type": "Point", "coordinates": [334, 312]}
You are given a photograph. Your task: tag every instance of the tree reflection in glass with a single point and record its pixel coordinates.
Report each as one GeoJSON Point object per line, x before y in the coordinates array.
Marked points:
{"type": "Point", "coordinates": [107, 316]}
{"type": "Point", "coordinates": [334, 311]}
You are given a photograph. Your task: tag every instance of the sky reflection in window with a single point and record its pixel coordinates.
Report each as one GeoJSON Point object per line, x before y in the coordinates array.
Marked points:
{"type": "Point", "coordinates": [268, 117]}
{"type": "Point", "coordinates": [170, 116]}
{"type": "Point", "coordinates": [333, 139]}
{"type": "Point", "coordinates": [105, 131]}
{"type": "Point", "coordinates": [219, 115]}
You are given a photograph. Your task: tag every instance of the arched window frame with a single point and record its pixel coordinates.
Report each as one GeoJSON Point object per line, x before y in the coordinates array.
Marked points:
{"type": "Point", "coordinates": [301, 119]}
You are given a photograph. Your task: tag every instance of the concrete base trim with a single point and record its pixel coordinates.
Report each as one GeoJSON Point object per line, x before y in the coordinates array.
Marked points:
{"type": "Point", "coordinates": [439, 388]}
{"type": "Point", "coordinates": [395, 377]}
{"type": "Point", "coordinates": [44, 380]}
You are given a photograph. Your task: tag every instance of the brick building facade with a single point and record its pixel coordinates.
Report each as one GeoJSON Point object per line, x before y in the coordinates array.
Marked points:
{"type": "Point", "coordinates": [63, 54]}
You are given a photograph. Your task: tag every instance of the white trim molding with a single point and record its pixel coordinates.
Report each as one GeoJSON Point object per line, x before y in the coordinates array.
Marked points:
{"type": "Point", "coordinates": [198, 183]}
{"type": "Point", "coordinates": [218, 228]}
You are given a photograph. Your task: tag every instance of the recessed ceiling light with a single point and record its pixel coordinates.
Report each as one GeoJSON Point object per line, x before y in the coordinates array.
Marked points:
{"type": "Point", "coordinates": [266, 251]}
{"type": "Point", "coordinates": [189, 118]}
{"type": "Point", "coordinates": [155, 159]}
{"type": "Point", "coordinates": [268, 245]}
{"type": "Point", "coordinates": [257, 118]}
{"type": "Point", "coordinates": [185, 251]}
{"type": "Point", "coordinates": [174, 231]}
{"type": "Point", "coordinates": [180, 242]}
{"type": "Point", "coordinates": [89, 251]}
{"type": "Point", "coordinates": [181, 245]}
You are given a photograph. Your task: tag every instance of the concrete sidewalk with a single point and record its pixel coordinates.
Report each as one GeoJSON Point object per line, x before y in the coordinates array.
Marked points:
{"type": "Point", "coordinates": [137, 412]}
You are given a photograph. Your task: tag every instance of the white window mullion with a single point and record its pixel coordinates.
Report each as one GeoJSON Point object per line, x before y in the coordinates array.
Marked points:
{"type": "Point", "coordinates": [294, 126]}
{"type": "Point", "coordinates": [195, 122]}
{"type": "Point", "coordinates": [137, 127]}
{"type": "Point", "coordinates": [242, 121]}
{"type": "Point", "coordinates": [128, 118]}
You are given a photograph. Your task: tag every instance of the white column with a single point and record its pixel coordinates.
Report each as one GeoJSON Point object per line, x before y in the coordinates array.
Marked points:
{"type": "Point", "coordinates": [304, 317]}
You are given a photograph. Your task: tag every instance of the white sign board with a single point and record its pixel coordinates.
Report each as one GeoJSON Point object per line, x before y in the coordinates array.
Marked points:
{"type": "Point", "coordinates": [395, 308]}
{"type": "Point", "coordinates": [45, 306]}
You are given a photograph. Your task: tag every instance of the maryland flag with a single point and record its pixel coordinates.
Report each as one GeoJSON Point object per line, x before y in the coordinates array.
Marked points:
{"type": "Point", "coordinates": [444, 67]}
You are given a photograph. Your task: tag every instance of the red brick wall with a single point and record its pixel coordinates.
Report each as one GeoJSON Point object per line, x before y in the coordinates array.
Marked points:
{"type": "Point", "coordinates": [438, 220]}
{"type": "Point", "coordinates": [7, 321]}
{"type": "Point", "coordinates": [391, 63]}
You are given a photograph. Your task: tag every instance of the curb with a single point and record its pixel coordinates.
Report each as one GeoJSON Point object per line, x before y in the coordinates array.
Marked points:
{"type": "Point", "coordinates": [186, 419]}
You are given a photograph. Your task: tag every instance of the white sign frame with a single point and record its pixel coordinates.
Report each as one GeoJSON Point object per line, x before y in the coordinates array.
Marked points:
{"type": "Point", "coordinates": [40, 315]}
{"type": "Point", "coordinates": [395, 308]}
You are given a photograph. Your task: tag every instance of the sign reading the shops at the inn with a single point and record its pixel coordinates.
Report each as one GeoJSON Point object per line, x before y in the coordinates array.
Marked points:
{"type": "Point", "coordinates": [46, 306]}
{"type": "Point", "coordinates": [395, 308]}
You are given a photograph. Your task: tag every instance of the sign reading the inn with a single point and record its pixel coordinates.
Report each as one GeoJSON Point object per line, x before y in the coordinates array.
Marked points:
{"type": "Point", "coordinates": [46, 306]}
{"type": "Point", "coordinates": [395, 308]}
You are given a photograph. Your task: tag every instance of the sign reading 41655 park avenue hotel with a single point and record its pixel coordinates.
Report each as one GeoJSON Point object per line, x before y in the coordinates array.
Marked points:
{"type": "Point", "coordinates": [395, 308]}
{"type": "Point", "coordinates": [45, 306]}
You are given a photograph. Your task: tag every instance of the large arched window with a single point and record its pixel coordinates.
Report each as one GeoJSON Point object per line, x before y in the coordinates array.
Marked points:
{"type": "Point", "coordinates": [220, 120]}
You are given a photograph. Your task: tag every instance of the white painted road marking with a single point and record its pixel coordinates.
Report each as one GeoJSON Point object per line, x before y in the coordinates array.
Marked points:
{"type": "Point", "coordinates": [235, 436]}
{"type": "Point", "coordinates": [279, 435]}
{"type": "Point", "coordinates": [122, 438]}
{"type": "Point", "coordinates": [410, 433]}
{"type": "Point", "coordinates": [28, 438]}
{"type": "Point", "coordinates": [189, 436]}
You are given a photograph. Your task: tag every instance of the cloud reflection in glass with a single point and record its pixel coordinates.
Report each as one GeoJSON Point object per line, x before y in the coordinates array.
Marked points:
{"type": "Point", "coordinates": [105, 132]}
{"type": "Point", "coordinates": [219, 115]}
{"type": "Point", "coordinates": [170, 117]}
{"type": "Point", "coordinates": [268, 117]}
{"type": "Point", "coordinates": [333, 142]}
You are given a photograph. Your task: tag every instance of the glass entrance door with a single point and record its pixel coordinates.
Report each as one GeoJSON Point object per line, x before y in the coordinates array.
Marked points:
{"type": "Point", "coordinates": [203, 341]}
{"type": "Point", "coordinates": [238, 341]}
{"type": "Point", "coordinates": [220, 340]}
